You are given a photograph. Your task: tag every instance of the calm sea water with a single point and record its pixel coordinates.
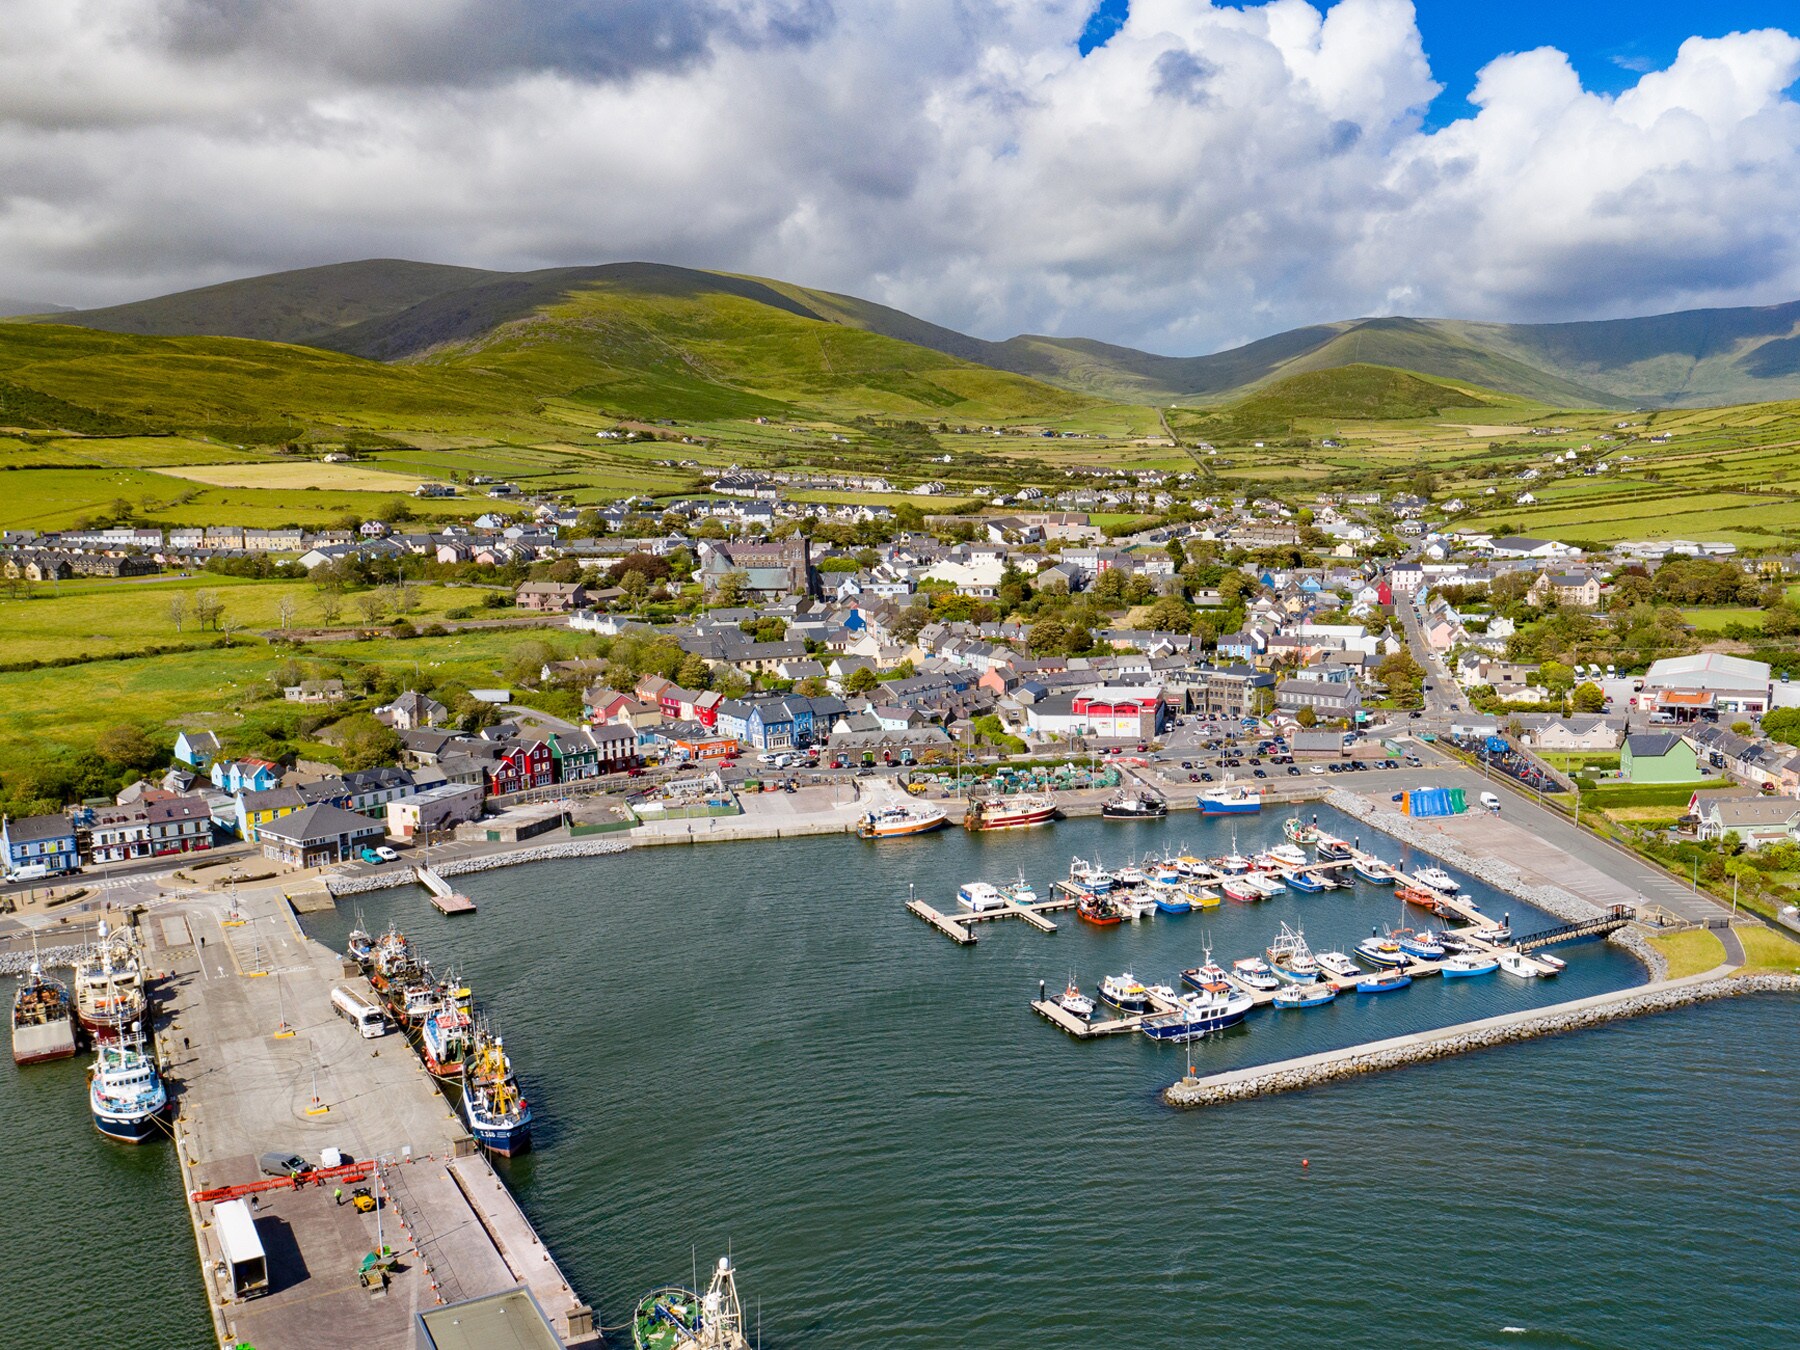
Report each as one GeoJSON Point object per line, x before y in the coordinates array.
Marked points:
{"type": "Point", "coordinates": [755, 1046]}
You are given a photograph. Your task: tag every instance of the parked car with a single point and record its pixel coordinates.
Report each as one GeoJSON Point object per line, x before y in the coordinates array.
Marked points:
{"type": "Point", "coordinates": [386, 854]}
{"type": "Point", "coordinates": [1294, 769]}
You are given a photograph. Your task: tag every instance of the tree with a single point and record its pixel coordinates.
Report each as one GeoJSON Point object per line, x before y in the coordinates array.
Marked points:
{"type": "Point", "coordinates": [1177, 554]}
{"type": "Point", "coordinates": [286, 607]}
{"type": "Point", "coordinates": [177, 610]}
{"type": "Point", "coordinates": [526, 662]}
{"type": "Point", "coordinates": [1048, 636]}
{"type": "Point", "coordinates": [861, 680]}
{"type": "Point", "coordinates": [1557, 677]}
{"type": "Point", "coordinates": [812, 687]}
{"type": "Point", "coordinates": [207, 609]}
{"type": "Point", "coordinates": [694, 672]}
{"type": "Point", "coordinates": [365, 743]}
{"type": "Point", "coordinates": [1588, 698]}
{"type": "Point", "coordinates": [1168, 615]}
{"type": "Point", "coordinates": [330, 605]}
{"type": "Point", "coordinates": [636, 586]}
{"type": "Point", "coordinates": [1742, 728]}
{"type": "Point", "coordinates": [129, 748]}
{"type": "Point", "coordinates": [371, 605]}
{"type": "Point", "coordinates": [1306, 717]}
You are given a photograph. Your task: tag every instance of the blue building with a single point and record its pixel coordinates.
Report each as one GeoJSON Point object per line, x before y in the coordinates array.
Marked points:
{"type": "Point", "coordinates": [39, 841]}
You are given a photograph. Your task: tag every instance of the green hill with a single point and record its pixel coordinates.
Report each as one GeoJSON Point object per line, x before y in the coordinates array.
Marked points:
{"type": "Point", "coordinates": [1356, 393]}
{"type": "Point", "coordinates": [699, 343]}
{"type": "Point", "coordinates": [494, 352]}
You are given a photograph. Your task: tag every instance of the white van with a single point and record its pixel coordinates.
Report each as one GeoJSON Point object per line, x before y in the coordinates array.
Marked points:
{"type": "Point", "coordinates": [359, 1012]}
{"type": "Point", "coordinates": [1490, 801]}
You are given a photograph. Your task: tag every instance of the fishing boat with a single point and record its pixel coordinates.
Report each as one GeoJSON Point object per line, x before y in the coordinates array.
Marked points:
{"type": "Point", "coordinates": [1291, 957]}
{"type": "Point", "coordinates": [1373, 870]}
{"type": "Point", "coordinates": [1437, 879]}
{"type": "Point", "coordinates": [43, 1023]}
{"type": "Point", "coordinates": [1420, 946]}
{"type": "Point", "coordinates": [673, 1318]}
{"type": "Point", "coordinates": [1430, 901]}
{"type": "Point", "coordinates": [1495, 935]}
{"type": "Point", "coordinates": [1452, 944]}
{"type": "Point", "coordinates": [1331, 850]}
{"type": "Point", "coordinates": [1131, 875]}
{"type": "Point", "coordinates": [1298, 832]}
{"type": "Point", "coordinates": [896, 822]}
{"type": "Point", "coordinates": [1090, 876]}
{"type": "Point", "coordinates": [1134, 906]}
{"type": "Point", "coordinates": [1171, 900]}
{"type": "Point", "coordinates": [1233, 862]}
{"type": "Point", "coordinates": [1201, 898]}
{"type": "Point", "coordinates": [1239, 889]}
{"type": "Point", "coordinates": [1163, 871]}
{"type": "Point", "coordinates": [1097, 909]}
{"type": "Point", "coordinates": [1553, 965]}
{"type": "Point", "coordinates": [979, 896]}
{"type": "Point", "coordinates": [1190, 866]}
{"type": "Point", "coordinates": [1255, 972]}
{"type": "Point", "coordinates": [109, 987]}
{"type": "Point", "coordinates": [1009, 813]}
{"type": "Point", "coordinates": [360, 947]}
{"type": "Point", "coordinates": [125, 1092]}
{"type": "Point", "coordinates": [1021, 892]}
{"type": "Point", "coordinates": [1381, 951]}
{"type": "Point", "coordinates": [1468, 964]}
{"type": "Point", "coordinates": [1262, 881]}
{"type": "Point", "coordinates": [1124, 993]}
{"type": "Point", "coordinates": [446, 1037]}
{"type": "Point", "coordinates": [1135, 806]}
{"type": "Point", "coordinates": [496, 1110]}
{"type": "Point", "coordinates": [1230, 799]}
{"type": "Point", "coordinates": [1074, 1002]}
{"type": "Point", "coordinates": [1515, 962]}
{"type": "Point", "coordinates": [1309, 883]}
{"type": "Point", "coordinates": [1383, 982]}
{"type": "Point", "coordinates": [1207, 975]}
{"type": "Point", "coordinates": [1287, 855]}
{"type": "Point", "coordinates": [1338, 966]}
{"type": "Point", "coordinates": [1198, 1014]}
{"type": "Point", "coordinates": [1305, 995]}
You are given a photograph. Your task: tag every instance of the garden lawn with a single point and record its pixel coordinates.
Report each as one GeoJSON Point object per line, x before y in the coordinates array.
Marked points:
{"type": "Point", "coordinates": [1767, 951]}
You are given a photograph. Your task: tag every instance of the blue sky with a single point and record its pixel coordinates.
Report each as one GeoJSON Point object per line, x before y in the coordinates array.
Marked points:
{"type": "Point", "coordinates": [1609, 42]}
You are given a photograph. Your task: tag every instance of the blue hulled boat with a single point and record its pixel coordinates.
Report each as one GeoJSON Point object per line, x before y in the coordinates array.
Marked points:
{"type": "Point", "coordinates": [1305, 881]}
{"type": "Point", "coordinates": [1205, 1010]}
{"type": "Point", "coordinates": [496, 1110]}
{"type": "Point", "coordinates": [1383, 983]}
{"type": "Point", "coordinates": [125, 1092]}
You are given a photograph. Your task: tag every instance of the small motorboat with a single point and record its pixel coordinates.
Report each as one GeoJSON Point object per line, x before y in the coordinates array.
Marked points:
{"type": "Point", "coordinates": [1332, 850]}
{"type": "Point", "coordinates": [1074, 1002]}
{"type": "Point", "coordinates": [1305, 995]}
{"type": "Point", "coordinates": [1373, 870]}
{"type": "Point", "coordinates": [1338, 966]}
{"type": "Point", "coordinates": [1135, 806]}
{"type": "Point", "coordinates": [978, 897]}
{"type": "Point", "coordinates": [1240, 890]}
{"type": "Point", "coordinates": [1298, 831]}
{"type": "Point", "coordinates": [1207, 975]}
{"type": "Point", "coordinates": [1131, 875]}
{"type": "Point", "coordinates": [1454, 944]}
{"type": "Point", "coordinates": [1255, 972]}
{"type": "Point", "coordinates": [1308, 883]}
{"type": "Point", "coordinates": [1135, 906]}
{"type": "Point", "coordinates": [1438, 880]}
{"type": "Point", "coordinates": [1172, 900]}
{"type": "Point", "coordinates": [1468, 964]}
{"type": "Point", "coordinates": [1022, 892]}
{"type": "Point", "coordinates": [1381, 951]}
{"type": "Point", "coordinates": [1232, 864]}
{"type": "Point", "coordinates": [1090, 876]}
{"type": "Point", "coordinates": [1495, 935]}
{"type": "Point", "coordinates": [1515, 962]}
{"type": "Point", "coordinates": [1553, 965]}
{"type": "Point", "coordinates": [1190, 866]}
{"type": "Point", "coordinates": [1420, 946]}
{"type": "Point", "coordinates": [1164, 872]}
{"type": "Point", "coordinates": [1124, 993]}
{"type": "Point", "coordinates": [1097, 909]}
{"type": "Point", "coordinates": [1287, 855]}
{"type": "Point", "coordinates": [1383, 982]}
{"type": "Point", "coordinates": [1201, 898]}
{"type": "Point", "coordinates": [1264, 882]}
{"type": "Point", "coordinates": [1196, 1014]}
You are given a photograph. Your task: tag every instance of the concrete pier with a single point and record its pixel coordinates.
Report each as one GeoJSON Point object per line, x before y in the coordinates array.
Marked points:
{"type": "Point", "coordinates": [258, 1062]}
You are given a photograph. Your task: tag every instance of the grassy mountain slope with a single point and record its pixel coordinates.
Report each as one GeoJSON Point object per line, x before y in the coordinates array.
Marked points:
{"type": "Point", "coordinates": [1355, 392]}
{"type": "Point", "coordinates": [304, 306]}
{"type": "Point", "coordinates": [392, 310]}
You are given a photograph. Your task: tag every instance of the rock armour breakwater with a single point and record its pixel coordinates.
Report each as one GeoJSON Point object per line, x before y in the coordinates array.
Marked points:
{"type": "Point", "coordinates": [487, 862]}
{"type": "Point", "coordinates": [1335, 1066]}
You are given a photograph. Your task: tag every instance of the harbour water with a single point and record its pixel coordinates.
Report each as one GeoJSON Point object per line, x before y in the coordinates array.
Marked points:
{"type": "Point", "coordinates": [754, 1045]}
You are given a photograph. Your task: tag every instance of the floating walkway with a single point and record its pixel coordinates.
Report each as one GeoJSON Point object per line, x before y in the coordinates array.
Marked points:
{"type": "Point", "coordinates": [447, 900]}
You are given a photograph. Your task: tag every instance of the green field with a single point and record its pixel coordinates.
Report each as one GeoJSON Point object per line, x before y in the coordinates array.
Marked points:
{"type": "Point", "coordinates": [85, 618]}
{"type": "Point", "coordinates": [1690, 953]}
{"type": "Point", "coordinates": [1712, 618]}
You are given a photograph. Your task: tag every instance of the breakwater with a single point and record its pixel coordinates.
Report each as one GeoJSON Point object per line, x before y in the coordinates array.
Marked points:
{"type": "Point", "coordinates": [487, 862]}
{"type": "Point", "coordinates": [47, 958]}
{"type": "Point", "coordinates": [1423, 1047]}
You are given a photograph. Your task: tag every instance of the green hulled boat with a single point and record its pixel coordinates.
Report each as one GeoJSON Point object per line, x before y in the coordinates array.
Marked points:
{"type": "Point", "coordinates": [673, 1318]}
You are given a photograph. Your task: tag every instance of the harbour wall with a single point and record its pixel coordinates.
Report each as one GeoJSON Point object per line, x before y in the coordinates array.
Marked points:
{"type": "Point", "coordinates": [487, 862]}
{"type": "Point", "coordinates": [1423, 1047]}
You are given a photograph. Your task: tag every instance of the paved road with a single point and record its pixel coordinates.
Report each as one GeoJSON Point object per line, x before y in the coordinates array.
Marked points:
{"type": "Point", "coordinates": [1441, 698]}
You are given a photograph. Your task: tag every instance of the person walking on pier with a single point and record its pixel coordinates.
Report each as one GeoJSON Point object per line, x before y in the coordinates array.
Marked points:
{"type": "Point", "coordinates": [337, 1194]}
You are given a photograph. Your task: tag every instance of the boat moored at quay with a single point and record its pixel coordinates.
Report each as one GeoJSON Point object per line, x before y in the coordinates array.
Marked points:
{"type": "Point", "coordinates": [1230, 799]}
{"type": "Point", "coordinates": [897, 822]}
{"type": "Point", "coordinates": [674, 1318]}
{"type": "Point", "coordinates": [1009, 812]}
{"type": "Point", "coordinates": [109, 987]}
{"type": "Point", "coordinates": [493, 1105]}
{"type": "Point", "coordinates": [1198, 1014]}
{"type": "Point", "coordinates": [43, 1023]}
{"type": "Point", "coordinates": [126, 1094]}
{"type": "Point", "coordinates": [1135, 806]}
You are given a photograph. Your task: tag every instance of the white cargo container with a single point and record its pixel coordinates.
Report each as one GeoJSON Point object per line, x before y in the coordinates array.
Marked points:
{"type": "Point", "coordinates": [246, 1265]}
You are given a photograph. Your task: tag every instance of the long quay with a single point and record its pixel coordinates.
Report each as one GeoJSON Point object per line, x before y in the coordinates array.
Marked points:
{"type": "Point", "coordinates": [1332, 1066]}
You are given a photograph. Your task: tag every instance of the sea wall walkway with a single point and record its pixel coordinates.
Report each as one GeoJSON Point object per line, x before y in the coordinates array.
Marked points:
{"type": "Point", "coordinates": [1354, 1061]}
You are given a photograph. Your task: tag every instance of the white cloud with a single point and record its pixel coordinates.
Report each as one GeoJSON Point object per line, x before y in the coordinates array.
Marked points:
{"type": "Point", "coordinates": [1209, 174]}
